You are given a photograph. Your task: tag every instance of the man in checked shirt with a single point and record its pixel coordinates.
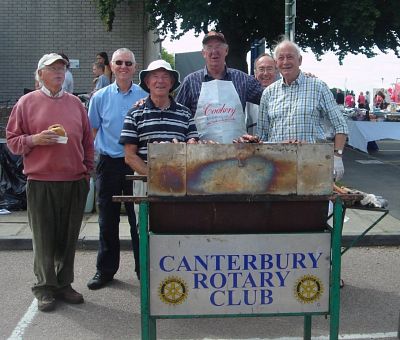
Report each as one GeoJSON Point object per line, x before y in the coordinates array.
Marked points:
{"type": "Point", "coordinates": [293, 108]}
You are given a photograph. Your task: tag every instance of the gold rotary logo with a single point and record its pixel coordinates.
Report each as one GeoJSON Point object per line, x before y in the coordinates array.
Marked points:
{"type": "Point", "coordinates": [308, 289]}
{"type": "Point", "coordinates": [173, 290]}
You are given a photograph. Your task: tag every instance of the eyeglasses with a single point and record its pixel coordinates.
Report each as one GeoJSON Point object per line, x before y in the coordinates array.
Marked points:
{"type": "Point", "coordinates": [121, 62]}
{"type": "Point", "coordinates": [266, 70]}
{"type": "Point", "coordinates": [56, 69]}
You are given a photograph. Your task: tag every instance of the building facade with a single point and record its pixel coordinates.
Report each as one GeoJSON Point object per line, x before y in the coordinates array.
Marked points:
{"type": "Point", "coordinates": [29, 29]}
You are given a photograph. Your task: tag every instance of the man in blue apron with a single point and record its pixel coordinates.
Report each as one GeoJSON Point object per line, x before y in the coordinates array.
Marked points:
{"type": "Point", "coordinates": [217, 95]}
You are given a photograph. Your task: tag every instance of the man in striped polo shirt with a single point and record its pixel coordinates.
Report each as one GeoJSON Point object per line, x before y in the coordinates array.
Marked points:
{"type": "Point", "coordinates": [159, 119]}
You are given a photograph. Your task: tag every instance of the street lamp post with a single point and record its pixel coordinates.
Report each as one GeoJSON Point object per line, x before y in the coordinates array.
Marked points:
{"type": "Point", "coordinates": [290, 15]}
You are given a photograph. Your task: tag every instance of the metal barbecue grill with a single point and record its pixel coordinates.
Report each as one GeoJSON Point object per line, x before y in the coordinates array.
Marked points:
{"type": "Point", "coordinates": [249, 192]}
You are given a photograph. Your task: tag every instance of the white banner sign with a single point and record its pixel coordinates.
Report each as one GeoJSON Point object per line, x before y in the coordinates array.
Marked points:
{"type": "Point", "coordinates": [239, 274]}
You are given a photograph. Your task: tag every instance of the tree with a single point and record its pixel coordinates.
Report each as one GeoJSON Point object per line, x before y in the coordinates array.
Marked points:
{"type": "Point", "coordinates": [343, 26]}
{"type": "Point", "coordinates": [168, 57]}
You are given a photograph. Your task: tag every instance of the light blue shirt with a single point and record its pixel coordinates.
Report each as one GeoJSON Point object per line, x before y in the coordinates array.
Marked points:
{"type": "Point", "coordinates": [107, 110]}
{"type": "Point", "coordinates": [101, 82]}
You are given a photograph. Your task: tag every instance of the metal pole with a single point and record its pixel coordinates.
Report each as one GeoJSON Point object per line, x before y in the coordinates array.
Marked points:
{"type": "Point", "coordinates": [148, 323]}
{"type": "Point", "coordinates": [290, 15]}
{"type": "Point", "coordinates": [307, 327]}
{"type": "Point", "coordinates": [334, 309]}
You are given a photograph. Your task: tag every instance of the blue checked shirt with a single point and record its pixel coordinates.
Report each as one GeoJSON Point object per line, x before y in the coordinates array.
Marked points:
{"type": "Point", "coordinates": [297, 111]}
{"type": "Point", "coordinates": [247, 87]}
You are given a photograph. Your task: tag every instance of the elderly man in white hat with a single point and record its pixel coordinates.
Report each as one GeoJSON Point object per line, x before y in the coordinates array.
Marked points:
{"type": "Point", "coordinates": [159, 119]}
{"type": "Point", "coordinates": [58, 170]}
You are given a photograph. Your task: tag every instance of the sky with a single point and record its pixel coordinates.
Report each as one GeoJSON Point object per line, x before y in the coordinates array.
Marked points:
{"type": "Point", "coordinates": [358, 73]}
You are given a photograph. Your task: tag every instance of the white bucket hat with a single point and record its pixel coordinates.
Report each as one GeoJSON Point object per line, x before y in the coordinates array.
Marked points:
{"type": "Point", "coordinates": [155, 65]}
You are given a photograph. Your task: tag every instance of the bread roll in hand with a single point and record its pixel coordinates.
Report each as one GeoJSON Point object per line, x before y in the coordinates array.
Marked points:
{"type": "Point", "coordinates": [58, 129]}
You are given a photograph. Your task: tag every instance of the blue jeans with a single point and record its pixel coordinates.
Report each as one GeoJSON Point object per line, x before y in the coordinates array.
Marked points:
{"type": "Point", "coordinates": [111, 181]}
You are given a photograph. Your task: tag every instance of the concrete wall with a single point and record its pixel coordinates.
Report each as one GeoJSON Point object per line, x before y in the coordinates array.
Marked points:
{"type": "Point", "coordinates": [29, 29]}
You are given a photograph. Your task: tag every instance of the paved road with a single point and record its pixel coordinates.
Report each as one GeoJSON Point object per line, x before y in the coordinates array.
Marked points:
{"type": "Point", "coordinates": [370, 305]}
{"type": "Point", "coordinates": [376, 173]}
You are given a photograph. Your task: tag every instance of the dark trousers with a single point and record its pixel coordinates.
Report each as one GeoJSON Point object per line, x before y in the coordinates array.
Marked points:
{"type": "Point", "coordinates": [111, 181]}
{"type": "Point", "coordinates": [55, 212]}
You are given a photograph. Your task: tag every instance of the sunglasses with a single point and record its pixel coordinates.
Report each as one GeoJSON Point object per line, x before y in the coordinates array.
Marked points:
{"type": "Point", "coordinates": [121, 62]}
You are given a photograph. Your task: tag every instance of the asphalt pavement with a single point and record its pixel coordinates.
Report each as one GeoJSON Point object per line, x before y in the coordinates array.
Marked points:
{"type": "Point", "coordinates": [376, 173]}
{"type": "Point", "coordinates": [370, 303]}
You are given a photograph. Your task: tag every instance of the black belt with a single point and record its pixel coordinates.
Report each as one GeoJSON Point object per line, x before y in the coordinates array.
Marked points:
{"type": "Point", "coordinates": [117, 159]}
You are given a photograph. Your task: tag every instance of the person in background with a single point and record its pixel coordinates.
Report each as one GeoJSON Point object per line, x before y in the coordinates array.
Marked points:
{"type": "Point", "coordinates": [107, 110]}
{"type": "Point", "coordinates": [367, 101]}
{"type": "Point", "coordinates": [217, 94]}
{"type": "Point", "coordinates": [58, 177]}
{"type": "Point", "coordinates": [266, 73]}
{"type": "Point", "coordinates": [292, 108]}
{"type": "Point", "coordinates": [361, 101]}
{"type": "Point", "coordinates": [102, 58]}
{"type": "Point", "coordinates": [100, 80]}
{"type": "Point", "coordinates": [349, 100]}
{"type": "Point", "coordinates": [340, 98]}
{"type": "Point", "coordinates": [68, 85]}
{"type": "Point", "coordinates": [379, 100]}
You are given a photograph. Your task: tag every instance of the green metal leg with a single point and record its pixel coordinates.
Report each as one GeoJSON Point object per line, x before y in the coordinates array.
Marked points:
{"type": "Point", "coordinates": [148, 323]}
{"type": "Point", "coordinates": [365, 232]}
{"type": "Point", "coordinates": [335, 269]}
{"type": "Point", "coordinates": [307, 327]}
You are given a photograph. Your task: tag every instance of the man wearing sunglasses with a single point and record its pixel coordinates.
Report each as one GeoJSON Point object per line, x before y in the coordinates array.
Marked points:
{"type": "Point", "coordinates": [107, 110]}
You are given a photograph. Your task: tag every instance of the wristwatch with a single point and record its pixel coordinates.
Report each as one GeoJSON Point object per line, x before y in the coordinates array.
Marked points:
{"type": "Point", "coordinates": [338, 151]}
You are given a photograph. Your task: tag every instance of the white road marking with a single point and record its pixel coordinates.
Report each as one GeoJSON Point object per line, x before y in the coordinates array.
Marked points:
{"type": "Point", "coordinates": [344, 336]}
{"type": "Point", "coordinates": [18, 333]}
{"type": "Point", "coordinates": [25, 321]}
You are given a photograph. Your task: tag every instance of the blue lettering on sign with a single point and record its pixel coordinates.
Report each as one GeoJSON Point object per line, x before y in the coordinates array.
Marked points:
{"type": "Point", "coordinates": [243, 262]}
{"type": "Point", "coordinates": [246, 297]}
{"type": "Point", "coordinates": [240, 279]}
{"type": "Point", "coordinates": [314, 259]}
{"type": "Point", "coordinates": [163, 263]}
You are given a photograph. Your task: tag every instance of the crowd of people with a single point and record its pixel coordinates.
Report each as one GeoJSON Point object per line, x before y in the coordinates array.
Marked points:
{"type": "Point", "coordinates": [123, 118]}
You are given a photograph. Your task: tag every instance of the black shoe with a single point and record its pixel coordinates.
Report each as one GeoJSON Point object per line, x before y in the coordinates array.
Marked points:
{"type": "Point", "coordinates": [99, 281]}
{"type": "Point", "coordinates": [138, 275]}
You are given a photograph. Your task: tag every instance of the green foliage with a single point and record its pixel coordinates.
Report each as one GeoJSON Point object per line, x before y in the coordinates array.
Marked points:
{"type": "Point", "coordinates": [344, 26]}
{"type": "Point", "coordinates": [106, 10]}
{"type": "Point", "coordinates": [168, 57]}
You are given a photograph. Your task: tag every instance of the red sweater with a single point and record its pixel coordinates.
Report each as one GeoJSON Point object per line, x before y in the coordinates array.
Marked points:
{"type": "Point", "coordinates": [34, 113]}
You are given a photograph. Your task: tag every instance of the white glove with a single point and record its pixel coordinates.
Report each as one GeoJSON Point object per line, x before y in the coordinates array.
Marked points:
{"type": "Point", "coordinates": [338, 168]}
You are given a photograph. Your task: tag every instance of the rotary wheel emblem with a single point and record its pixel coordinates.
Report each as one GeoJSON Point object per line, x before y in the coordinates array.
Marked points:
{"type": "Point", "coordinates": [173, 290]}
{"type": "Point", "coordinates": [308, 289]}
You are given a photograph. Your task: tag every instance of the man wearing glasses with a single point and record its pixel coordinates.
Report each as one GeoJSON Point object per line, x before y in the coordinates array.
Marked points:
{"type": "Point", "coordinates": [107, 110]}
{"type": "Point", "coordinates": [266, 73]}
{"type": "Point", "coordinates": [217, 95]}
{"type": "Point", "coordinates": [50, 128]}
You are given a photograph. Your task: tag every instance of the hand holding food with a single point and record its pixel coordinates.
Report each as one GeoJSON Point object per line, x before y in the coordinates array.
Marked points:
{"type": "Point", "coordinates": [58, 129]}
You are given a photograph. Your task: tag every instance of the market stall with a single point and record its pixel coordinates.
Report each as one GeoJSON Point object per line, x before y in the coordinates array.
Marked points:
{"type": "Point", "coordinates": [362, 132]}
{"type": "Point", "coordinates": [239, 230]}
